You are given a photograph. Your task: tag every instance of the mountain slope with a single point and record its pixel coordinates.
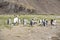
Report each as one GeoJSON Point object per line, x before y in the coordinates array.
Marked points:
{"type": "Point", "coordinates": [41, 6]}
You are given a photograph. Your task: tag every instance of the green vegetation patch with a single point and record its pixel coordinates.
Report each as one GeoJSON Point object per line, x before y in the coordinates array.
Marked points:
{"type": "Point", "coordinates": [3, 18]}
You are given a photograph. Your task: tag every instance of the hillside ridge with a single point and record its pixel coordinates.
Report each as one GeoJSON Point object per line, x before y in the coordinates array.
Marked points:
{"type": "Point", "coordinates": [33, 6]}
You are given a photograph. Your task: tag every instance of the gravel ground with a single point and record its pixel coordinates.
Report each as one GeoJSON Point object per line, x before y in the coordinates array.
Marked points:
{"type": "Point", "coordinates": [30, 33]}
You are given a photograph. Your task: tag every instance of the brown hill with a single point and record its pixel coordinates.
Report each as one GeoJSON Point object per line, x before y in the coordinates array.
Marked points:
{"type": "Point", "coordinates": [31, 6]}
